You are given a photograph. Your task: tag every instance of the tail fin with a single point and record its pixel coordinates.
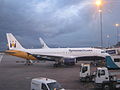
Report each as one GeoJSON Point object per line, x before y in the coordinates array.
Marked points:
{"type": "Point", "coordinates": [110, 63]}
{"type": "Point", "coordinates": [12, 42]}
{"type": "Point", "coordinates": [43, 43]}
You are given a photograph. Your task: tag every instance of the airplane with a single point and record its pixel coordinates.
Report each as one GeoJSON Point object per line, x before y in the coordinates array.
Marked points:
{"type": "Point", "coordinates": [66, 56]}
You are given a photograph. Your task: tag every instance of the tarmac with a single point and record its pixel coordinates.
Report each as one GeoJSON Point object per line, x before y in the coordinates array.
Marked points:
{"type": "Point", "coordinates": [18, 76]}
{"type": "Point", "coordinates": [15, 75]}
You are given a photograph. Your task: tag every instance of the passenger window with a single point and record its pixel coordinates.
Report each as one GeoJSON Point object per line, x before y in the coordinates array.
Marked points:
{"type": "Point", "coordinates": [84, 69]}
{"type": "Point", "coordinates": [44, 87]}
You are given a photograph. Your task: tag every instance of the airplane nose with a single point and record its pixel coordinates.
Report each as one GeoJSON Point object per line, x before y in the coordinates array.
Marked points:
{"type": "Point", "coordinates": [106, 54]}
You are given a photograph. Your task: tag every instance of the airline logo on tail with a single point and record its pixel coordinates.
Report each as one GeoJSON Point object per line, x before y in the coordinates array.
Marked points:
{"type": "Point", "coordinates": [13, 44]}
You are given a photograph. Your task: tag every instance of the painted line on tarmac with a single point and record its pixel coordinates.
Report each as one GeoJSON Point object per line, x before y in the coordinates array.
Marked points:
{"type": "Point", "coordinates": [1, 56]}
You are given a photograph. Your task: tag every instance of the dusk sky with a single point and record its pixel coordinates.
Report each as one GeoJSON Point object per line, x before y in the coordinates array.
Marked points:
{"type": "Point", "coordinates": [61, 23]}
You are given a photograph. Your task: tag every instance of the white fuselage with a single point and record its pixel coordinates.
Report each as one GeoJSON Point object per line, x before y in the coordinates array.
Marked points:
{"type": "Point", "coordinates": [68, 52]}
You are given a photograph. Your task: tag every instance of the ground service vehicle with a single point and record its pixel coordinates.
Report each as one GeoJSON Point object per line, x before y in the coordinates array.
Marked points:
{"type": "Point", "coordinates": [102, 78]}
{"type": "Point", "coordinates": [45, 84]}
{"type": "Point", "coordinates": [85, 74]}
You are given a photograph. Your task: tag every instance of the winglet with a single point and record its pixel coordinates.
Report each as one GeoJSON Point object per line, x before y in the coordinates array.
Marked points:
{"type": "Point", "coordinates": [43, 43]}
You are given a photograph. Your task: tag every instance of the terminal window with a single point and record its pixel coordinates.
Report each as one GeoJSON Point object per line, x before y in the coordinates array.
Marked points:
{"type": "Point", "coordinates": [117, 60]}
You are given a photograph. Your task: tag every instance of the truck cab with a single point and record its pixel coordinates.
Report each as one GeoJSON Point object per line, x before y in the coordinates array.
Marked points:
{"type": "Point", "coordinates": [85, 73]}
{"type": "Point", "coordinates": [85, 70]}
{"type": "Point", "coordinates": [102, 75]}
{"type": "Point", "coordinates": [45, 84]}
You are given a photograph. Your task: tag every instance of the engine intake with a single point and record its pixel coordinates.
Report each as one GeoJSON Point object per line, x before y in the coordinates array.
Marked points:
{"type": "Point", "coordinates": [69, 61]}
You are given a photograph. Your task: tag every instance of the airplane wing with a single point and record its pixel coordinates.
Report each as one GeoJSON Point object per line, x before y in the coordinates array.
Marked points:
{"type": "Point", "coordinates": [51, 57]}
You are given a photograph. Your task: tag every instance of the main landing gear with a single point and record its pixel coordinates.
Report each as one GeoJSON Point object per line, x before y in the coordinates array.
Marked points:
{"type": "Point", "coordinates": [29, 62]}
{"type": "Point", "coordinates": [57, 64]}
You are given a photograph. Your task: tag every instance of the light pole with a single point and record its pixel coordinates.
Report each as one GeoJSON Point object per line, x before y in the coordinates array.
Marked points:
{"type": "Point", "coordinates": [108, 36]}
{"type": "Point", "coordinates": [117, 32]}
{"type": "Point", "coordinates": [99, 5]}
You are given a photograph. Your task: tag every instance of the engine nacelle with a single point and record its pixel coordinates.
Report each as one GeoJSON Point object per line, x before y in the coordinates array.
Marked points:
{"type": "Point", "coordinates": [69, 61]}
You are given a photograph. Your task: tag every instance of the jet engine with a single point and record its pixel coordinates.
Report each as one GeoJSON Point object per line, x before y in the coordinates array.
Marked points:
{"type": "Point", "coordinates": [69, 61]}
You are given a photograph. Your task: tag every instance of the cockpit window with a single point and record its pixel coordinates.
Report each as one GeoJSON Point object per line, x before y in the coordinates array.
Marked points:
{"type": "Point", "coordinates": [103, 52]}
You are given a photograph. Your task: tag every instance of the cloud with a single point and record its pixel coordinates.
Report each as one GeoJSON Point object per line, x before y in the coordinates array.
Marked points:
{"type": "Point", "coordinates": [56, 20]}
